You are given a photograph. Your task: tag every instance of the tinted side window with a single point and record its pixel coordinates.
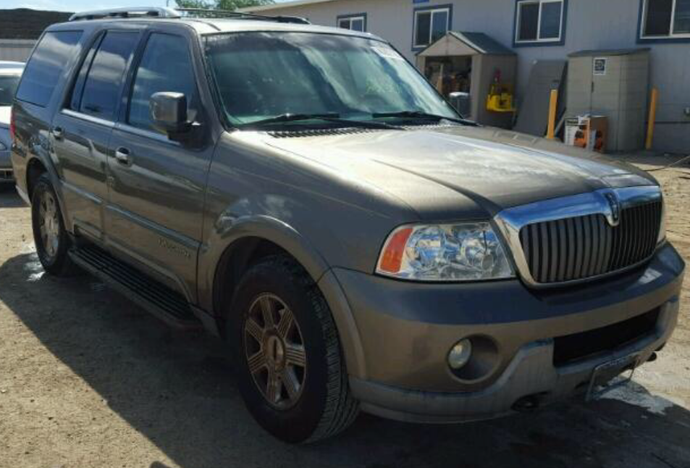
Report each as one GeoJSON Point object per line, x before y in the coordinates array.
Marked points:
{"type": "Point", "coordinates": [47, 62]}
{"type": "Point", "coordinates": [165, 66]}
{"type": "Point", "coordinates": [102, 86]}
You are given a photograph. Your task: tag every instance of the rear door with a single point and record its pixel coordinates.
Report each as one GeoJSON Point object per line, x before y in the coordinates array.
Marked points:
{"type": "Point", "coordinates": [81, 129]}
{"type": "Point", "coordinates": [37, 97]}
{"type": "Point", "coordinates": [157, 185]}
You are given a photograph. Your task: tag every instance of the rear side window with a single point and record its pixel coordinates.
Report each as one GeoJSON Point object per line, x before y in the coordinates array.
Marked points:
{"type": "Point", "coordinates": [47, 62]}
{"type": "Point", "coordinates": [101, 90]}
{"type": "Point", "coordinates": [165, 66]}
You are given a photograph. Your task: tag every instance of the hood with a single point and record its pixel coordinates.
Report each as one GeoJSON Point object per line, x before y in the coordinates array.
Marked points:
{"type": "Point", "coordinates": [494, 168]}
{"type": "Point", "coordinates": [5, 112]}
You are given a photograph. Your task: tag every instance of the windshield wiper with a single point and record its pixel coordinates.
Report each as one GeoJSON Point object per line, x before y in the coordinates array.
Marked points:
{"type": "Point", "coordinates": [423, 115]}
{"type": "Point", "coordinates": [330, 117]}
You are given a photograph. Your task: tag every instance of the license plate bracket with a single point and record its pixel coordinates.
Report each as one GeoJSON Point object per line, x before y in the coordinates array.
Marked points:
{"type": "Point", "coordinates": [604, 373]}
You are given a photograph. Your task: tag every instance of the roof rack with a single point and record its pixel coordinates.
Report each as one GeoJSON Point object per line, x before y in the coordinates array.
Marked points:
{"type": "Point", "coordinates": [135, 12]}
{"type": "Point", "coordinates": [164, 12]}
{"type": "Point", "coordinates": [204, 13]}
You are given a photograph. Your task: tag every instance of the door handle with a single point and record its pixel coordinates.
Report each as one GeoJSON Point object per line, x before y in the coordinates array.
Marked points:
{"type": "Point", "coordinates": [123, 156]}
{"type": "Point", "coordinates": [58, 133]}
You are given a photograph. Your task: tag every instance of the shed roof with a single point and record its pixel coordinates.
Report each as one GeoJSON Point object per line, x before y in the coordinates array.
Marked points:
{"type": "Point", "coordinates": [609, 52]}
{"type": "Point", "coordinates": [24, 23]}
{"type": "Point", "coordinates": [465, 43]}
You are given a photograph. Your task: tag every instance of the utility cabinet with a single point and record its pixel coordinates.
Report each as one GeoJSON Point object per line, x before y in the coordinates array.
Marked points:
{"type": "Point", "coordinates": [612, 83]}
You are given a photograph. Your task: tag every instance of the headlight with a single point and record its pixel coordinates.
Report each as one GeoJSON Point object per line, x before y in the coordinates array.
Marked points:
{"type": "Point", "coordinates": [445, 252]}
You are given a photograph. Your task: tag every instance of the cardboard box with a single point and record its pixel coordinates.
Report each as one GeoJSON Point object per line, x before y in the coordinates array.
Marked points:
{"type": "Point", "coordinates": [587, 131]}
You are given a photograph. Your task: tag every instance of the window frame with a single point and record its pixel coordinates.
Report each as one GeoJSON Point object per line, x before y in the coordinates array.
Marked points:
{"type": "Point", "coordinates": [80, 75]}
{"type": "Point", "coordinates": [132, 76]}
{"type": "Point", "coordinates": [538, 41]}
{"type": "Point", "coordinates": [352, 17]}
{"type": "Point", "coordinates": [448, 8]}
{"type": "Point", "coordinates": [670, 37]}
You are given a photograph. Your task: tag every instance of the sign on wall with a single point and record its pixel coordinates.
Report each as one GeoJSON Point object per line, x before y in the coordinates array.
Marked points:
{"type": "Point", "coordinates": [600, 66]}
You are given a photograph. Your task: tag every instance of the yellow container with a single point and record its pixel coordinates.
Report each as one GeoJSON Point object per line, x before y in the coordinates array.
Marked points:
{"type": "Point", "coordinates": [500, 98]}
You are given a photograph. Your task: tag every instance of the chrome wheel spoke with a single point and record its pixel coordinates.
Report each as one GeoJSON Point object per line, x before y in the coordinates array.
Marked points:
{"type": "Point", "coordinates": [254, 330]}
{"type": "Point", "coordinates": [291, 383]}
{"type": "Point", "coordinates": [285, 323]}
{"type": "Point", "coordinates": [295, 355]}
{"type": "Point", "coordinates": [273, 387]}
{"type": "Point", "coordinates": [266, 304]}
{"type": "Point", "coordinates": [256, 362]}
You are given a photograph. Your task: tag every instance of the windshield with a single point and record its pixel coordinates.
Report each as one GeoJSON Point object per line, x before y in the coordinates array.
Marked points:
{"type": "Point", "coordinates": [8, 85]}
{"type": "Point", "coordinates": [263, 75]}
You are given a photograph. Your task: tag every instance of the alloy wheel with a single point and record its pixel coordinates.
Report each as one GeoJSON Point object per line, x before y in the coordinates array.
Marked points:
{"type": "Point", "coordinates": [49, 224]}
{"type": "Point", "coordinates": [274, 349]}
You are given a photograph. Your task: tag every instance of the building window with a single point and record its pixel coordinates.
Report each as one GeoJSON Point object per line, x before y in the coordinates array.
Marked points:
{"type": "Point", "coordinates": [356, 22]}
{"type": "Point", "coordinates": [539, 21]}
{"type": "Point", "coordinates": [665, 19]}
{"type": "Point", "coordinates": [431, 24]}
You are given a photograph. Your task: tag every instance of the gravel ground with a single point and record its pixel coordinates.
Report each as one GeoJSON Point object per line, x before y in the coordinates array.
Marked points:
{"type": "Point", "coordinates": [87, 379]}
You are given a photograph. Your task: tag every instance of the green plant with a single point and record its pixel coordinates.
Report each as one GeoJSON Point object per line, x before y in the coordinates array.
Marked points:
{"type": "Point", "coordinates": [221, 4]}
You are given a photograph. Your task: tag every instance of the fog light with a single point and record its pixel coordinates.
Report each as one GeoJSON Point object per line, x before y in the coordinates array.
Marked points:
{"type": "Point", "coordinates": [460, 354]}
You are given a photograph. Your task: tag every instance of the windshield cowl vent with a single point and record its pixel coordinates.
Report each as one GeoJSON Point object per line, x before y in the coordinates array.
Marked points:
{"type": "Point", "coordinates": [429, 125]}
{"type": "Point", "coordinates": [321, 132]}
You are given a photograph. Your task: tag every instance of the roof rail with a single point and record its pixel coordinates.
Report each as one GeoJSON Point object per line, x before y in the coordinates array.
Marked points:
{"type": "Point", "coordinates": [134, 12]}
{"type": "Point", "coordinates": [164, 12]}
{"type": "Point", "coordinates": [206, 13]}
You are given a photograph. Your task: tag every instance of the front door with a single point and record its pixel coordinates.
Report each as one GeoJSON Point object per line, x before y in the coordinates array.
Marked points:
{"type": "Point", "coordinates": [82, 129]}
{"type": "Point", "coordinates": [157, 185]}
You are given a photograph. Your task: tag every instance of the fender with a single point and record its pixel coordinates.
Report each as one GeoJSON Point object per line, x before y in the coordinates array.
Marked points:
{"type": "Point", "coordinates": [229, 229]}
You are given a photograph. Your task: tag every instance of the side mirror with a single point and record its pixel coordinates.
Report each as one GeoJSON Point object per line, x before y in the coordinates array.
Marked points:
{"type": "Point", "coordinates": [169, 112]}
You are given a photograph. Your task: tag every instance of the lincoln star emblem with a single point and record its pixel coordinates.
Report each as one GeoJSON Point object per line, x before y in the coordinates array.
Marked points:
{"type": "Point", "coordinates": [615, 209]}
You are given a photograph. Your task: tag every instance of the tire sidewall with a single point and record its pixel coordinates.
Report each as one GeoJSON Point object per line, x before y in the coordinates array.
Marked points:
{"type": "Point", "coordinates": [297, 423]}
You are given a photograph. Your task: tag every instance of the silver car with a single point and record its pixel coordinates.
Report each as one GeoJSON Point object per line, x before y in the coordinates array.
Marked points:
{"type": "Point", "coordinates": [10, 73]}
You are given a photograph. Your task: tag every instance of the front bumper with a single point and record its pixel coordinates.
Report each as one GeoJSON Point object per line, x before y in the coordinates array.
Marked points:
{"type": "Point", "coordinates": [406, 329]}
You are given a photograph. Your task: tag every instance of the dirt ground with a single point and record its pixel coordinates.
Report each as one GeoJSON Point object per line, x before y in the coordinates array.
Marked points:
{"type": "Point", "coordinates": [88, 379]}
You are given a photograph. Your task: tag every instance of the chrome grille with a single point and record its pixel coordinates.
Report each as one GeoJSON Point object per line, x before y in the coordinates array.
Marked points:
{"type": "Point", "coordinates": [585, 246]}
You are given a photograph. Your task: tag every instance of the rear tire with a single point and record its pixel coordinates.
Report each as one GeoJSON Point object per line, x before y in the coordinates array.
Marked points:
{"type": "Point", "coordinates": [320, 404]}
{"type": "Point", "coordinates": [50, 236]}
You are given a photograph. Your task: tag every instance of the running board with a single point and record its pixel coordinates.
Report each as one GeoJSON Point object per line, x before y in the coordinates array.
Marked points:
{"type": "Point", "coordinates": [161, 301]}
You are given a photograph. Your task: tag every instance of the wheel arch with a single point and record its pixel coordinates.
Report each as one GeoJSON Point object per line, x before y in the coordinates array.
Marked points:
{"type": "Point", "coordinates": [251, 239]}
{"type": "Point", "coordinates": [34, 169]}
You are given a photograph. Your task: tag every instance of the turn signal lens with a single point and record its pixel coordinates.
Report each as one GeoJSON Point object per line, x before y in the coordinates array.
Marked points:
{"type": "Point", "coordinates": [391, 258]}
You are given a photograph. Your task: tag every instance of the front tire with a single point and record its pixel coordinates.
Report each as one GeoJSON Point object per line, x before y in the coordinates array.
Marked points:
{"type": "Point", "coordinates": [50, 236]}
{"type": "Point", "coordinates": [291, 372]}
